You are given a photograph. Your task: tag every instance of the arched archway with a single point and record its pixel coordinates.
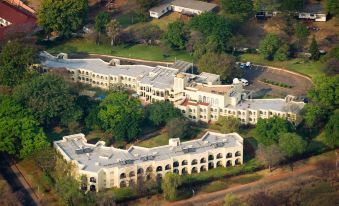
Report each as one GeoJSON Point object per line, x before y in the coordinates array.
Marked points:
{"type": "Point", "coordinates": [149, 169]}
{"type": "Point", "coordinates": [131, 174]}
{"type": "Point", "coordinates": [176, 164]}
{"type": "Point", "coordinates": [228, 163]}
{"type": "Point", "coordinates": [184, 171]}
{"type": "Point", "coordinates": [210, 157]}
{"type": "Point", "coordinates": [194, 162]}
{"type": "Point", "coordinates": [122, 175]}
{"type": "Point", "coordinates": [203, 168]}
{"type": "Point", "coordinates": [237, 154]}
{"type": "Point", "coordinates": [219, 164]}
{"type": "Point", "coordinates": [238, 162]}
{"type": "Point", "coordinates": [159, 169]}
{"type": "Point", "coordinates": [184, 162]}
{"type": "Point", "coordinates": [219, 156]}
{"type": "Point", "coordinates": [210, 165]}
{"type": "Point", "coordinates": [168, 167]}
{"type": "Point", "coordinates": [140, 171]}
{"type": "Point", "coordinates": [92, 179]}
{"type": "Point", "coordinates": [92, 188]}
{"type": "Point", "coordinates": [194, 170]}
{"type": "Point", "coordinates": [203, 160]}
{"type": "Point", "coordinates": [229, 155]}
{"type": "Point", "coordinates": [176, 171]}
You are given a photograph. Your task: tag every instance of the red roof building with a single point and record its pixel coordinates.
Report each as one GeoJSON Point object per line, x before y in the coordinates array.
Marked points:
{"type": "Point", "coordinates": [12, 17]}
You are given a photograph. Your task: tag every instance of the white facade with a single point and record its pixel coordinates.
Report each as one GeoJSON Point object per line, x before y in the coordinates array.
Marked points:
{"type": "Point", "coordinates": [107, 167]}
{"type": "Point", "coordinates": [199, 97]}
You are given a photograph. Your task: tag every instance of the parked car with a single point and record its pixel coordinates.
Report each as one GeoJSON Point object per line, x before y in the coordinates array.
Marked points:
{"type": "Point", "coordinates": [248, 64]}
{"type": "Point", "coordinates": [243, 81]}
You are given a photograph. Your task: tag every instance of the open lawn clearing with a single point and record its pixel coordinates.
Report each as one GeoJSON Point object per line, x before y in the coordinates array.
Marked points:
{"type": "Point", "coordinates": [310, 68]}
{"type": "Point", "coordinates": [137, 51]}
{"type": "Point", "coordinates": [156, 141]}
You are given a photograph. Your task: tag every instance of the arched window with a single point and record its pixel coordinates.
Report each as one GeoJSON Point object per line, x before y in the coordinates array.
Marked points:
{"type": "Point", "coordinates": [219, 156]}
{"type": "Point", "coordinates": [92, 179]}
{"type": "Point", "coordinates": [168, 167]}
{"type": "Point", "coordinates": [140, 171]}
{"type": "Point", "coordinates": [210, 157]}
{"type": "Point", "coordinates": [149, 169]}
{"type": "Point", "coordinates": [194, 162]}
{"type": "Point", "coordinates": [159, 169]}
{"type": "Point", "coordinates": [184, 162]}
{"type": "Point", "coordinates": [122, 175]}
{"type": "Point", "coordinates": [194, 170]}
{"type": "Point", "coordinates": [203, 160]}
{"type": "Point", "coordinates": [219, 164]}
{"type": "Point", "coordinates": [229, 155]}
{"type": "Point", "coordinates": [184, 171]}
{"type": "Point", "coordinates": [123, 184]}
{"type": "Point", "coordinates": [176, 171]}
{"type": "Point", "coordinates": [238, 153]}
{"type": "Point", "coordinates": [203, 168]}
{"type": "Point", "coordinates": [132, 174]}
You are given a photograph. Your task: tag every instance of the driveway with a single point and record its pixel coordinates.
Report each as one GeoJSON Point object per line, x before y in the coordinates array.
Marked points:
{"type": "Point", "coordinates": [300, 84]}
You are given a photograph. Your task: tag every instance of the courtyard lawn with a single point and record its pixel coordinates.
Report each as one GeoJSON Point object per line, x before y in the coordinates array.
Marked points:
{"type": "Point", "coordinates": [156, 141]}
{"type": "Point", "coordinates": [309, 68]}
{"type": "Point", "coordinates": [137, 51]}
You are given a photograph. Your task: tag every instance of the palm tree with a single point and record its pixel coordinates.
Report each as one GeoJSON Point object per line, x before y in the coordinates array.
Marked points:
{"type": "Point", "coordinates": [113, 30]}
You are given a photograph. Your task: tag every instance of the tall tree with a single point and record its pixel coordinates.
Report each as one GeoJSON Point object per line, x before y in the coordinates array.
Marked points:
{"type": "Point", "coordinates": [20, 133]}
{"type": "Point", "coordinates": [15, 59]}
{"type": "Point", "coordinates": [101, 20]}
{"type": "Point", "coordinates": [113, 30]}
{"type": "Point", "coordinates": [159, 113]}
{"type": "Point", "coordinates": [176, 34]}
{"type": "Point", "coordinates": [50, 98]}
{"type": "Point", "coordinates": [269, 45]}
{"type": "Point", "coordinates": [178, 128]}
{"type": "Point", "coordinates": [269, 156]}
{"type": "Point", "coordinates": [62, 16]}
{"type": "Point", "coordinates": [121, 115]}
{"type": "Point", "coordinates": [291, 144]}
{"type": "Point", "coordinates": [314, 50]}
{"type": "Point", "coordinates": [170, 185]}
{"type": "Point", "coordinates": [267, 130]}
{"type": "Point", "coordinates": [229, 124]}
{"type": "Point", "coordinates": [238, 7]}
{"type": "Point", "coordinates": [144, 6]}
{"type": "Point", "coordinates": [221, 64]}
{"type": "Point", "coordinates": [282, 53]}
{"type": "Point", "coordinates": [332, 131]}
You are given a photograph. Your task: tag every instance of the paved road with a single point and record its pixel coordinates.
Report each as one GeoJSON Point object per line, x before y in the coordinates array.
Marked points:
{"type": "Point", "coordinates": [17, 182]}
{"type": "Point", "coordinates": [216, 198]}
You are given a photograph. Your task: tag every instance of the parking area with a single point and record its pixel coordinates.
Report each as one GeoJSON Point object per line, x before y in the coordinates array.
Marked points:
{"type": "Point", "coordinates": [256, 74]}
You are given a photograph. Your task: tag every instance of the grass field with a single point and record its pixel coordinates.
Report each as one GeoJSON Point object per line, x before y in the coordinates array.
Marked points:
{"type": "Point", "coordinates": [159, 140]}
{"type": "Point", "coordinates": [310, 68]}
{"type": "Point", "coordinates": [137, 51]}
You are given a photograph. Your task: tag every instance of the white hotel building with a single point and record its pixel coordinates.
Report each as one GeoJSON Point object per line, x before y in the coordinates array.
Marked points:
{"type": "Point", "coordinates": [106, 167]}
{"type": "Point", "coordinates": [199, 97]}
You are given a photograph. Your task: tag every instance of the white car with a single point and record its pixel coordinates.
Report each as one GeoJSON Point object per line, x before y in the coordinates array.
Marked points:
{"type": "Point", "coordinates": [248, 64]}
{"type": "Point", "coordinates": [243, 81]}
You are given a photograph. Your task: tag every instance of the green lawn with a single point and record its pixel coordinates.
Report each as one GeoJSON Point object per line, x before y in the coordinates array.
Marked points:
{"type": "Point", "coordinates": [137, 51]}
{"type": "Point", "coordinates": [159, 140]}
{"type": "Point", "coordinates": [310, 68]}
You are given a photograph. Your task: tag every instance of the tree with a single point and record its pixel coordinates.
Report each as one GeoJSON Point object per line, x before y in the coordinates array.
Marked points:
{"type": "Point", "coordinates": [101, 20]}
{"type": "Point", "coordinates": [62, 16]}
{"type": "Point", "coordinates": [242, 7]}
{"type": "Point", "coordinates": [121, 115]}
{"type": "Point", "coordinates": [144, 6]}
{"type": "Point", "coordinates": [332, 67]}
{"type": "Point", "coordinates": [170, 184]}
{"type": "Point", "coordinates": [20, 133]}
{"type": "Point", "coordinates": [113, 30]}
{"type": "Point", "coordinates": [269, 156]}
{"type": "Point", "coordinates": [15, 59]}
{"type": "Point", "coordinates": [50, 98]}
{"type": "Point", "coordinates": [221, 64]}
{"type": "Point", "coordinates": [314, 114]}
{"type": "Point", "coordinates": [159, 113]}
{"type": "Point", "coordinates": [301, 31]}
{"type": "Point", "coordinates": [282, 53]}
{"type": "Point", "coordinates": [232, 200]}
{"type": "Point", "coordinates": [269, 45]}
{"type": "Point", "coordinates": [267, 130]}
{"type": "Point", "coordinates": [292, 5]}
{"type": "Point", "coordinates": [178, 128]}
{"type": "Point", "coordinates": [176, 34]}
{"type": "Point", "coordinates": [332, 7]}
{"type": "Point", "coordinates": [235, 41]}
{"type": "Point", "coordinates": [291, 144]}
{"type": "Point", "coordinates": [314, 50]}
{"type": "Point", "coordinates": [229, 124]}
{"type": "Point", "coordinates": [146, 34]}
{"type": "Point", "coordinates": [332, 131]}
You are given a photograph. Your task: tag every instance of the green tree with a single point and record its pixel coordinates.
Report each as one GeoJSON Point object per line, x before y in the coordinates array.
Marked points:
{"type": "Point", "coordinates": [50, 98]}
{"type": "Point", "coordinates": [332, 131]}
{"type": "Point", "coordinates": [113, 30]}
{"type": "Point", "coordinates": [178, 128]}
{"type": "Point", "coordinates": [314, 50]}
{"type": "Point", "coordinates": [121, 115]}
{"type": "Point", "coordinates": [269, 156]}
{"type": "Point", "coordinates": [144, 6]}
{"type": "Point", "coordinates": [267, 131]}
{"type": "Point", "coordinates": [20, 133]}
{"type": "Point", "coordinates": [282, 53]}
{"type": "Point", "coordinates": [15, 59]}
{"type": "Point", "coordinates": [159, 113]}
{"type": "Point", "coordinates": [269, 45]}
{"type": "Point", "coordinates": [62, 16]}
{"type": "Point", "coordinates": [170, 185]}
{"type": "Point", "coordinates": [292, 5]}
{"type": "Point", "coordinates": [332, 7]}
{"type": "Point", "coordinates": [221, 64]}
{"type": "Point", "coordinates": [101, 20]}
{"type": "Point", "coordinates": [314, 114]}
{"type": "Point", "coordinates": [238, 7]}
{"type": "Point", "coordinates": [229, 124]}
{"type": "Point", "coordinates": [301, 32]}
{"type": "Point", "coordinates": [176, 34]}
{"type": "Point", "coordinates": [291, 144]}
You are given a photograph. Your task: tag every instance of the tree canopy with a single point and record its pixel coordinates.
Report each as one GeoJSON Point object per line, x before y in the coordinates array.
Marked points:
{"type": "Point", "coordinates": [229, 124]}
{"type": "Point", "coordinates": [332, 130]}
{"type": "Point", "coordinates": [176, 35]}
{"type": "Point", "coordinates": [291, 144]}
{"type": "Point", "coordinates": [332, 7]}
{"type": "Point", "coordinates": [292, 5]}
{"type": "Point", "coordinates": [238, 7]}
{"type": "Point", "coordinates": [269, 156]}
{"type": "Point", "coordinates": [62, 16]}
{"type": "Point", "coordinates": [267, 131]}
{"type": "Point", "coordinates": [50, 98]}
{"type": "Point", "coordinates": [170, 184]}
{"type": "Point", "coordinates": [314, 50]}
{"type": "Point", "coordinates": [159, 113]}
{"type": "Point", "coordinates": [269, 45]}
{"type": "Point", "coordinates": [121, 115]}
{"type": "Point", "coordinates": [101, 20]}
{"type": "Point", "coordinates": [20, 133]}
{"type": "Point", "coordinates": [15, 59]}
{"type": "Point", "coordinates": [178, 128]}
{"type": "Point", "coordinates": [113, 30]}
